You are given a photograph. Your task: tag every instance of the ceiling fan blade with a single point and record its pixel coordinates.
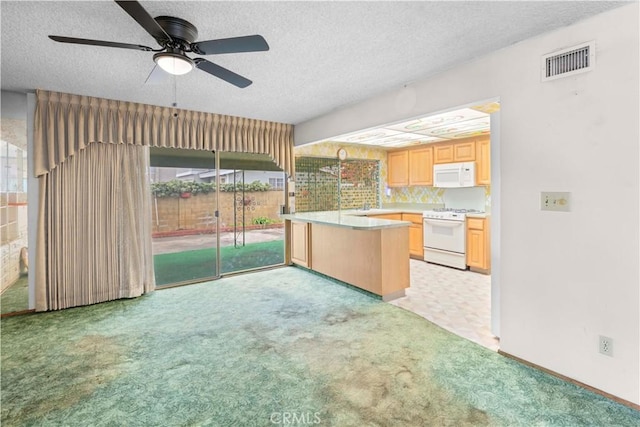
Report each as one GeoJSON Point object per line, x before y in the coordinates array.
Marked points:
{"type": "Point", "coordinates": [146, 21]}
{"type": "Point", "coordinates": [157, 76]}
{"type": "Point", "coordinates": [74, 40]}
{"type": "Point", "coordinates": [222, 73]}
{"type": "Point", "coordinates": [255, 43]}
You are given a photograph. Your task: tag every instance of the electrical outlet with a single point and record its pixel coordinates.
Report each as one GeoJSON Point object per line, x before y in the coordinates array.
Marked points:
{"type": "Point", "coordinates": [555, 201]}
{"type": "Point", "coordinates": [606, 346]}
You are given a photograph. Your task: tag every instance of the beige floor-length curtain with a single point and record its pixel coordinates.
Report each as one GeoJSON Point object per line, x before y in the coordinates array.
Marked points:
{"type": "Point", "coordinates": [95, 244]}
{"type": "Point", "coordinates": [90, 155]}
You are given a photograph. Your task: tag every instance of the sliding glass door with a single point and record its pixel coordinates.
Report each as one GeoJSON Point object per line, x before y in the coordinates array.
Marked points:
{"type": "Point", "coordinates": [251, 233]}
{"type": "Point", "coordinates": [184, 204]}
{"type": "Point", "coordinates": [213, 216]}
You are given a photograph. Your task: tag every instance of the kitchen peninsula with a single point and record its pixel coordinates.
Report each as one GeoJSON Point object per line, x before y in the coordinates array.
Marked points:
{"type": "Point", "coordinates": [369, 253]}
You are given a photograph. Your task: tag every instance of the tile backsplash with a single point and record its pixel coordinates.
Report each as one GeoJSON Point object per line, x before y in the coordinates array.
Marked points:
{"type": "Point", "coordinates": [430, 195]}
{"type": "Point", "coordinates": [478, 198]}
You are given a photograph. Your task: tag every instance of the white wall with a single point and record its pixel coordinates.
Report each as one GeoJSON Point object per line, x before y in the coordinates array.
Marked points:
{"type": "Point", "coordinates": [565, 277]}
{"type": "Point", "coordinates": [14, 105]}
{"type": "Point", "coordinates": [495, 230]}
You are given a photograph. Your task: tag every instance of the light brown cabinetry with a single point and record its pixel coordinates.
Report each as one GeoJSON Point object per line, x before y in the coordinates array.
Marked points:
{"type": "Point", "coordinates": [421, 166]}
{"type": "Point", "coordinates": [395, 216]}
{"type": "Point", "coordinates": [478, 247]}
{"type": "Point", "coordinates": [483, 162]}
{"type": "Point", "coordinates": [443, 154]}
{"type": "Point", "coordinates": [416, 249]}
{"type": "Point", "coordinates": [454, 152]}
{"type": "Point", "coordinates": [464, 151]}
{"type": "Point", "coordinates": [410, 167]}
{"type": "Point", "coordinates": [375, 260]}
{"type": "Point", "coordinates": [415, 166]}
{"type": "Point", "coordinates": [398, 168]}
{"type": "Point", "coordinates": [300, 243]}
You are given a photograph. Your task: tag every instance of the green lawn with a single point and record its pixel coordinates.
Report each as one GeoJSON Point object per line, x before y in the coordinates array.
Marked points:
{"type": "Point", "coordinates": [189, 265]}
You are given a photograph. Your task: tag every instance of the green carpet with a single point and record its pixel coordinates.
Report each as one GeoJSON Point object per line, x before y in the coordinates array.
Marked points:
{"type": "Point", "coordinates": [200, 263]}
{"type": "Point", "coordinates": [262, 348]}
{"type": "Point", "coordinates": [16, 297]}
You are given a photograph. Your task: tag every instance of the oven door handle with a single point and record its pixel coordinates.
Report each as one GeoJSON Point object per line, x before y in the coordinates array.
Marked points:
{"type": "Point", "coordinates": [444, 223]}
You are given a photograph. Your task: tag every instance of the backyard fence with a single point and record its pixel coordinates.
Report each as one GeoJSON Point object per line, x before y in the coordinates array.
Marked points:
{"type": "Point", "coordinates": [195, 214]}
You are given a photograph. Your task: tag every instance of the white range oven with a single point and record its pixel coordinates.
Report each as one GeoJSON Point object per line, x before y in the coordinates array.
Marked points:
{"type": "Point", "coordinates": [445, 237]}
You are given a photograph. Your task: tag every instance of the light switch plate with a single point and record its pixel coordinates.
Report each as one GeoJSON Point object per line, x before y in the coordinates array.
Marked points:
{"type": "Point", "coordinates": [555, 201]}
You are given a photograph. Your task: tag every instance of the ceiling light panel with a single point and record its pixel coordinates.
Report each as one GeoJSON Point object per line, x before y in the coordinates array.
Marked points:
{"type": "Point", "coordinates": [457, 124]}
{"type": "Point", "coordinates": [366, 137]}
{"type": "Point", "coordinates": [406, 139]}
{"type": "Point", "coordinates": [459, 130]}
{"type": "Point", "coordinates": [438, 120]}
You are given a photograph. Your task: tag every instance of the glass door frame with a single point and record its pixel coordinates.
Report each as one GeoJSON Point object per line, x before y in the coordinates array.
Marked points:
{"type": "Point", "coordinates": [219, 273]}
{"type": "Point", "coordinates": [217, 264]}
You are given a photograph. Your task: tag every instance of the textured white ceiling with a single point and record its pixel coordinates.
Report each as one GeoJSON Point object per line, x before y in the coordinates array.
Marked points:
{"type": "Point", "coordinates": [324, 55]}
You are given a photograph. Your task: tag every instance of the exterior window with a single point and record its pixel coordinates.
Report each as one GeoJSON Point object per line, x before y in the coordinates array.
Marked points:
{"type": "Point", "coordinates": [276, 183]}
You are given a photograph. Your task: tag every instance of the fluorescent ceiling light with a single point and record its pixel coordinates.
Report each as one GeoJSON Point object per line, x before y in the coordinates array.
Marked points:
{"type": "Point", "coordinates": [173, 63]}
{"type": "Point", "coordinates": [457, 124]}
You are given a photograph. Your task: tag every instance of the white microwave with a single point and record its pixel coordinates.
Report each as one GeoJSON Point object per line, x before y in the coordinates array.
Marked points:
{"type": "Point", "coordinates": [454, 175]}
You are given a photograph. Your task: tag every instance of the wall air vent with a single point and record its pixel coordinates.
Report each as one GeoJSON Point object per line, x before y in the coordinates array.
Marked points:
{"type": "Point", "coordinates": [569, 61]}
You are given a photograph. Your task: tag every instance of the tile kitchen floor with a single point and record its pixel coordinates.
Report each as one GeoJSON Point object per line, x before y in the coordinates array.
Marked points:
{"type": "Point", "coordinates": [456, 300]}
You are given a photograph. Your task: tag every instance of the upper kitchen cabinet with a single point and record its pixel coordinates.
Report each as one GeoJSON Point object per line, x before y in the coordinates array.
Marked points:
{"type": "Point", "coordinates": [454, 152]}
{"type": "Point", "coordinates": [398, 168]}
{"type": "Point", "coordinates": [410, 167]}
{"type": "Point", "coordinates": [443, 153]}
{"type": "Point", "coordinates": [414, 166]}
{"type": "Point", "coordinates": [483, 161]}
{"type": "Point", "coordinates": [421, 166]}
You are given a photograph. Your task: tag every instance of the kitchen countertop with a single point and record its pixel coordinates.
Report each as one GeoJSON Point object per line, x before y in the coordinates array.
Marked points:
{"type": "Point", "coordinates": [376, 211]}
{"type": "Point", "coordinates": [349, 219]}
{"type": "Point", "coordinates": [478, 215]}
{"type": "Point", "coordinates": [357, 218]}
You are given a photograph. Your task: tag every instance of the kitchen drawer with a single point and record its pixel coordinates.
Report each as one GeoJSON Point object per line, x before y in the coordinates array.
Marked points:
{"type": "Point", "coordinates": [395, 216]}
{"type": "Point", "coordinates": [475, 223]}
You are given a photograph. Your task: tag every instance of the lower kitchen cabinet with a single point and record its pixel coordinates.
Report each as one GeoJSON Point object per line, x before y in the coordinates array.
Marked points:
{"type": "Point", "coordinates": [478, 249]}
{"type": "Point", "coordinates": [416, 247]}
{"type": "Point", "coordinates": [300, 243]}
{"type": "Point", "coordinates": [371, 255]}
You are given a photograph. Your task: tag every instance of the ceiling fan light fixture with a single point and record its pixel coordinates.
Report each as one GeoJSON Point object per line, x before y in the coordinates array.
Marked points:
{"type": "Point", "coordinates": [174, 63]}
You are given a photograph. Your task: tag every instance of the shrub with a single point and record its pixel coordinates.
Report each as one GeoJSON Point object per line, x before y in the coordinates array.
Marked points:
{"type": "Point", "coordinates": [254, 186]}
{"type": "Point", "coordinates": [176, 187]}
{"type": "Point", "coordinates": [262, 220]}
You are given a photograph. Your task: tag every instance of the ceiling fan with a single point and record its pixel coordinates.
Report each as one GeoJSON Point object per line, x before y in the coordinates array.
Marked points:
{"type": "Point", "coordinates": [176, 38]}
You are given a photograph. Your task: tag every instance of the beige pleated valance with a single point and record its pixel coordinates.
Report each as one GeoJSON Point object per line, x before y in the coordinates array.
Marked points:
{"type": "Point", "coordinates": [65, 124]}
